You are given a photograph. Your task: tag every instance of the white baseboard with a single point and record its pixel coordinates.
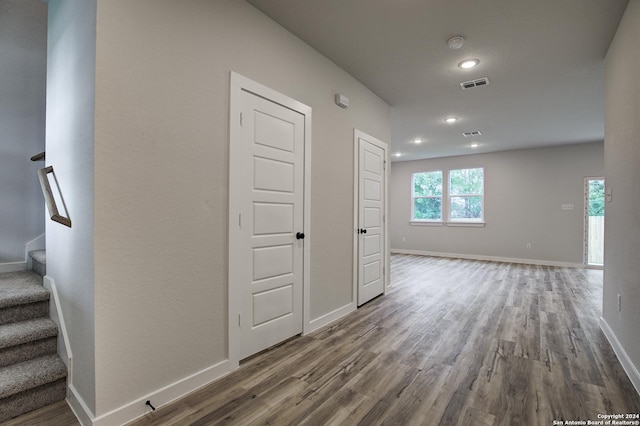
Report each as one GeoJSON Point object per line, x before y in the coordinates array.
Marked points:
{"type": "Point", "coordinates": [55, 313]}
{"type": "Point", "coordinates": [38, 243]}
{"type": "Point", "coordinates": [35, 244]}
{"type": "Point", "coordinates": [79, 408]}
{"type": "Point", "coordinates": [332, 316]}
{"type": "Point", "coordinates": [13, 267]}
{"type": "Point", "coordinates": [627, 364]}
{"type": "Point", "coordinates": [170, 393]}
{"type": "Point", "coordinates": [489, 258]}
{"type": "Point", "coordinates": [163, 396]}
{"type": "Point", "coordinates": [64, 350]}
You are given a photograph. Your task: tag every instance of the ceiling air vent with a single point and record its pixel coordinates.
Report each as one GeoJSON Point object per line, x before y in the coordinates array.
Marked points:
{"type": "Point", "coordinates": [470, 134]}
{"type": "Point", "coordinates": [474, 83]}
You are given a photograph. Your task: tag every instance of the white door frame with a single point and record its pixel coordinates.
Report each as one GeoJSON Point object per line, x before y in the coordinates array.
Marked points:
{"type": "Point", "coordinates": [586, 237]}
{"type": "Point", "coordinates": [357, 134]}
{"type": "Point", "coordinates": [238, 84]}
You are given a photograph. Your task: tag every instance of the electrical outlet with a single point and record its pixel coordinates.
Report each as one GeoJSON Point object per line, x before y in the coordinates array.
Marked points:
{"type": "Point", "coordinates": [619, 303]}
{"type": "Point", "coordinates": [528, 245]}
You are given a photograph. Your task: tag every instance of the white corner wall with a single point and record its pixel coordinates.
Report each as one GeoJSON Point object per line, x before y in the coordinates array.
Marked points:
{"type": "Point", "coordinates": [23, 55]}
{"type": "Point", "coordinates": [523, 193]}
{"type": "Point", "coordinates": [161, 178]}
{"type": "Point", "coordinates": [69, 144]}
{"type": "Point", "coordinates": [622, 168]}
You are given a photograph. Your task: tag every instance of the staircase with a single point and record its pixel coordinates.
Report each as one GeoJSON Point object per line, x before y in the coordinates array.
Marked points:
{"type": "Point", "coordinates": [32, 375]}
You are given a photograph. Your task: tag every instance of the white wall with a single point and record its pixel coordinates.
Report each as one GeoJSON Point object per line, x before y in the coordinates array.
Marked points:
{"type": "Point", "coordinates": [70, 126]}
{"type": "Point", "coordinates": [523, 193]}
{"type": "Point", "coordinates": [161, 167]}
{"type": "Point", "coordinates": [23, 55]}
{"type": "Point", "coordinates": [622, 168]}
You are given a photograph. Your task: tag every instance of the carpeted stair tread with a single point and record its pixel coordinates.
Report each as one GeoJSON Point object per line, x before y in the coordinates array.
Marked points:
{"type": "Point", "coordinates": [19, 288]}
{"type": "Point", "coordinates": [26, 375]}
{"type": "Point", "coordinates": [26, 331]}
{"type": "Point", "coordinates": [39, 256]}
{"type": "Point", "coordinates": [32, 375]}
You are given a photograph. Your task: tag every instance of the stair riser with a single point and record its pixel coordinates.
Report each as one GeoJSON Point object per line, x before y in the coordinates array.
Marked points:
{"type": "Point", "coordinates": [24, 312]}
{"type": "Point", "coordinates": [39, 268]}
{"type": "Point", "coordinates": [28, 351]}
{"type": "Point", "coordinates": [39, 262]}
{"type": "Point", "coordinates": [32, 399]}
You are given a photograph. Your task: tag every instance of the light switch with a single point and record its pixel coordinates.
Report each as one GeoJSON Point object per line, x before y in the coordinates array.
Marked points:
{"type": "Point", "coordinates": [607, 194]}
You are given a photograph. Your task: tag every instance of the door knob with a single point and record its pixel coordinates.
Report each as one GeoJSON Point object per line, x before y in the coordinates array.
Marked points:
{"type": "Point", "coordinates": [362, 231]}
{"type": "Point", "coordinates": [300, 236]}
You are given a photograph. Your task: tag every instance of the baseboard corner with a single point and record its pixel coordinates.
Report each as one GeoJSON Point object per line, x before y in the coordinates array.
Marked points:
{"type": "Point", "coordinates": [79, 407]}
{"type": "Point", "coordinates": [330, 317]}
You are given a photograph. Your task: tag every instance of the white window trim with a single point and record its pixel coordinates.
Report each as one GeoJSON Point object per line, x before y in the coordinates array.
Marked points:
{"type": "Point", "coordinates": [464, 222]}
{"type": "Point", "coordinates": [445, 203]}
{"type": "Point", "coordinates": [427, 222]}
{"type": "Point", "coordinates": [467, 224]}
{"type": "Point", "coordinates": [448, 223]}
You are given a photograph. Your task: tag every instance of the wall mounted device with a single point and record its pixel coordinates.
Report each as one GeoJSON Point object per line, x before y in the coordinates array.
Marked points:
{"type": "Point", "coordinates": [455, 42]}
{"type": "Point", "coordinates": [342, 101]}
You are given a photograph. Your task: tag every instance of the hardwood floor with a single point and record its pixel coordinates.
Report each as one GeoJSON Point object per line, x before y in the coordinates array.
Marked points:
{"type": "Point", "coordinates": [58, 414]}
{"type": "Point", "coordinates": [454, 342]}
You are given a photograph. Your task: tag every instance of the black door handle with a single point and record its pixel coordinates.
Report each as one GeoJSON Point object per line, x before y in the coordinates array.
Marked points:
{"type": "Point", "coordinates": [362, 231]}
{"type": "Point", "coordinates": [300, 236]}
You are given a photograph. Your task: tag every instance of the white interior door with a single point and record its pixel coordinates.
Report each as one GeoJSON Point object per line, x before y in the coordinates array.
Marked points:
{"type": "Point", "coordinates": [270, 224]}
{"type": "Point", "coordinates": [371, 230]}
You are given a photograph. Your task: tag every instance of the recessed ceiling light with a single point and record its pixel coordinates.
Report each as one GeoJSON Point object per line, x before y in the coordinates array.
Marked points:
{"type": "Point", "coordinates": [397, 154]}
{"type": "Point", "coordinates": [468, 63]}
{"type": "Point", "coordinates": [451, 119]}
{"type": "Point", "coordinates": [474, 145]}
{"type": "Point", "coordinates": [417, 141]}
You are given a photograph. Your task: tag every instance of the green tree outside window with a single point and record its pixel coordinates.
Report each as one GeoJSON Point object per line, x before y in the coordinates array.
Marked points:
{"type": "Point", "coordinates": [466, 190]}
{"type": "Point", "coordinates": [596, 198]}
{"type": "Point", "coordinates": [427, 196]}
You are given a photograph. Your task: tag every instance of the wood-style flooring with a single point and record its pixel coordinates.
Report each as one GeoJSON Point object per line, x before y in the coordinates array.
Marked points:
{"type": "Point", "coordinates": [453, 342]}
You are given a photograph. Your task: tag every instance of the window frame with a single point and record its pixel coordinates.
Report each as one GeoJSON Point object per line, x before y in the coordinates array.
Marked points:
{"type": "Point", "coordinates": [414, 197]}
{"type": "Point", "coordinates": [465, 221]}
{"type": "Point", "coordinates": [445, 201]}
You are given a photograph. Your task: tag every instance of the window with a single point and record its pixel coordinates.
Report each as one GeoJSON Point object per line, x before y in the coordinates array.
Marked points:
{"type": "Point", "coordinates": [450, 197]}
{"type": "Point", "coordinates": [427, 196]}
{"type": "Point", "coordinates": [466, 195]}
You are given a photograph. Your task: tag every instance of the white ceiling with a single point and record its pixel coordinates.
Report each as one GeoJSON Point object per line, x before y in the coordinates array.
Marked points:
{"type": "Point", "coordinates": [543, 58]}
